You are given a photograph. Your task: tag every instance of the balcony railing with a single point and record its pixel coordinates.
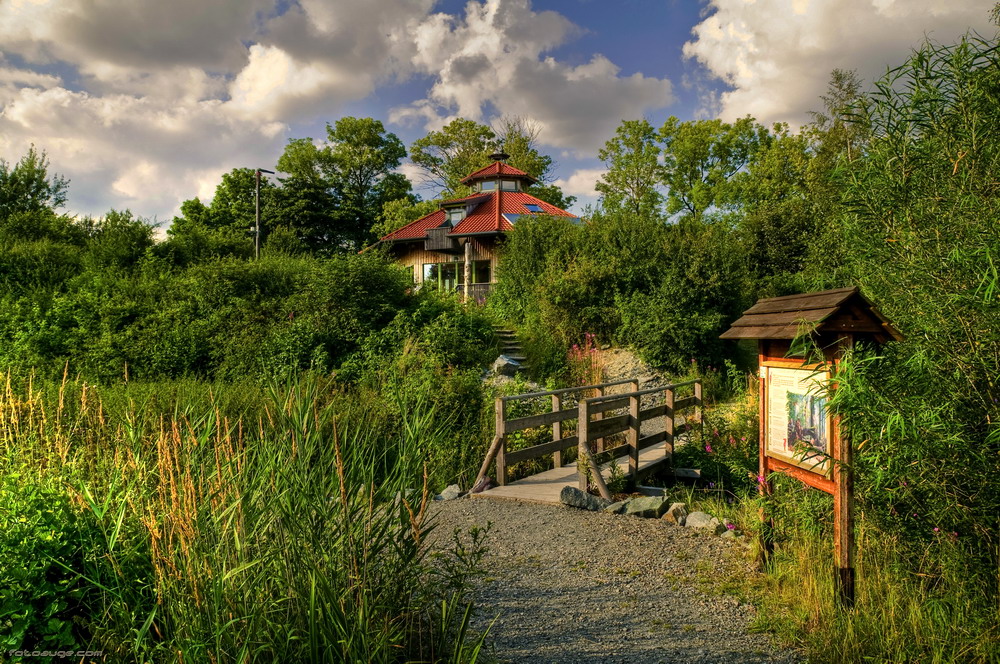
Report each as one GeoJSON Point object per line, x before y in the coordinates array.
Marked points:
{"type": "Point", "coordinates": [477, 292]}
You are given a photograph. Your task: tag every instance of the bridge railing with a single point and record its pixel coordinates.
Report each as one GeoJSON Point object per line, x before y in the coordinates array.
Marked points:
{"type": "Point", "coordinates": [590, 430]}
{"type": "Point", "coordinates": [593, 427]}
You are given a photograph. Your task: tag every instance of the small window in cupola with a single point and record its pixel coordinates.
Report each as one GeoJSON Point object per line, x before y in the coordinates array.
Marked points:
{"type": "Point", "coordinates": [487, 185]}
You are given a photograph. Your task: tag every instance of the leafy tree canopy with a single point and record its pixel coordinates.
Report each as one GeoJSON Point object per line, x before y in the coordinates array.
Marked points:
{"type": "Point", "coordinates": [28, 187]}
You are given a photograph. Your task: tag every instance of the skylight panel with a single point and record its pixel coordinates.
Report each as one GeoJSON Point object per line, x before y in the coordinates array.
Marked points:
{"type": "Point", "coordinates": [532, 207]}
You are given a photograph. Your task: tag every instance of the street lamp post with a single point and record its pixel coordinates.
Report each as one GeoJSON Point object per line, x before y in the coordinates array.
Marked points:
{"type": "Point", "coordinates": [256, 228]}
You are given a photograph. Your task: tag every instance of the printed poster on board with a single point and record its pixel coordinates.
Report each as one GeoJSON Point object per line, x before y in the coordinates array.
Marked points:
{"type": "Point", "coordinates": [798, 426]}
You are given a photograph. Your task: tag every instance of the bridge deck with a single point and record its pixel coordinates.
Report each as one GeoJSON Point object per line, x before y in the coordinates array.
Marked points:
{"type": "Point", "coordinates": [546, 486]}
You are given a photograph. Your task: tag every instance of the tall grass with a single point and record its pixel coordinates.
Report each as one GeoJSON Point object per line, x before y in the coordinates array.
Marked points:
{"type": "Point", "coordinates": [293, 531]}
{"type": "Point", "coordinates": [906, 610]}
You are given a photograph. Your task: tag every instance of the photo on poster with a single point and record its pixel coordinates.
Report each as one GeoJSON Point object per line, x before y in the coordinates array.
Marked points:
{"type": "Point", "coordinates": [798, 427]}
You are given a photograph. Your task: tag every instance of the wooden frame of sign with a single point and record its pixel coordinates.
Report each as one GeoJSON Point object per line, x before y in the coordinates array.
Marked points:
{"type": "Point", "coordinates": [798, 436]}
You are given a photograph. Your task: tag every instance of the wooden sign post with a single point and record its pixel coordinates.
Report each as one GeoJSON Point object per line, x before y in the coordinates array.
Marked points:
{"type": "Point", "coordinates": [798, 434]}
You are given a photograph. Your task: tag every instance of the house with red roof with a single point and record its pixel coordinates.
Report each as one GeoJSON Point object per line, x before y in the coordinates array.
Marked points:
{"type": "Point", "coordinates": [455, 247]}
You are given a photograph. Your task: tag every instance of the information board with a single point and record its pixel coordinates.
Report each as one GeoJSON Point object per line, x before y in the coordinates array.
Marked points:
{"type": "Point", "coordinates": [798, 428]}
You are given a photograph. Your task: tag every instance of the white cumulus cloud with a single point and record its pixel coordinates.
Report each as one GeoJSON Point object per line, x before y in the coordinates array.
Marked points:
{"type": "Point", "coordinates": [494, 58]}
{"type": "Point", "coordinates": [777, 55]}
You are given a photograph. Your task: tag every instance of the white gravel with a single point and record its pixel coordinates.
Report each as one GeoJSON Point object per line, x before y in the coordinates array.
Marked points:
{"type": "Point", "coordinates": [569, 586]}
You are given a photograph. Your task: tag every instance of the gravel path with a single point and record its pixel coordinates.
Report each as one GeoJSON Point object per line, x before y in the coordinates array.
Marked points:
{"type": "Point", "coordinates": [576, 586]}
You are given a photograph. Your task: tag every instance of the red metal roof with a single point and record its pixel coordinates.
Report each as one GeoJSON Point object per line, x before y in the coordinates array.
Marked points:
{"type": "Point", "coordinates": [495, 169]}
{"type": "Point", "coordinates": [482, 218]}
{"type": "Point", "coordinates": [416, 230]}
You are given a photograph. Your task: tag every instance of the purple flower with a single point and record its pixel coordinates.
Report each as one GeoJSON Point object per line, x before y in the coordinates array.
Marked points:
{"type": "Point", "coordinates": [937, 530]}
{"type": "Point", "coordinates": [708, 448]}
{"type": "Point", "coordinates": [760, 479]}
{"type": "Point", "coordinates": [914, 515]}
{"type": "Point", "coordinates": [730, 526]}
{"type": "Point", "coordinates": [711, 485]}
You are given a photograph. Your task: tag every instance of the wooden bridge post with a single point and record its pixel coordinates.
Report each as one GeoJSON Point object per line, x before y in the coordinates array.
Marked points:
{"type": "Point", "coordinates": [556, 431]}
{"type": "Point", "coordinates": [582, 444]}
{"type": "Point", "coordinates": [699, 411]}
{"type": "Point", "coordinates": [633, 437]}
{"type": "Point", "coordinates": [599, 416]}
{"type": "Point", "coordinates": [668, 421]}
{"type": "Point", "coordinates": [501, 413]}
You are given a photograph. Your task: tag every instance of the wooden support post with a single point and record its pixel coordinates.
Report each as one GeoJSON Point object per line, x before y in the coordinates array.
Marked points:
{"type": "Point", "coordinates": [501, 413]}
{"type": "Point", "coordinates": [599, 416]}
{"type": "Point", "coordinates": [843, 501]}
{"type": "Point", "coordinates": [668, 422]}
{"type": "Point", "coordinates": [556, 431]}
{"type": "Point", "coordinates": [633, 438]}
{"type": "Point", "coordinates": [843, 521]}
{"type": "Point", "coordinates": [766, 544]}
{"type": "Point", "coordinates": [498, 441]}
{"type": "Point", "coordinates": [582, 445]}
{"type": "Point", "coordinates": [602, 488]}
{"type": "Point", "coordinates": [699, 412]}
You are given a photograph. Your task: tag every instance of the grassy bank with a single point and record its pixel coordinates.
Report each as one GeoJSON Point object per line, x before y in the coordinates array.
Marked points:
{"type": "Point", "coordinates": [213, 524]}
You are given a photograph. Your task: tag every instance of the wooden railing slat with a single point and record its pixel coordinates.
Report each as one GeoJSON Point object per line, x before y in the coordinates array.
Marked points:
{"type": "Point", "coordinates": [536, 451]}
{"type": "Point", "coordinates": [653, 439]}
{"type": "Point", "coordinates": [605, 406]}
{"type": "Point", "coordinates": [566, 390]}
{"type": "Point", "coordinates": [686, 402]}
{"type": "Point", "coordinates": [606, 427]}
{"type": "Point", "coordinates": [654, 411]}
{"type": "Point", "coordinates": [533, 421]}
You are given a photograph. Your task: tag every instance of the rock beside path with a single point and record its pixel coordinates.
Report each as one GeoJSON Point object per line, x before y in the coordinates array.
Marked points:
{"type": "Point", "coordinates": [573, 497]}
{"type": "Point", "coordinates": [569, 585]}
{"type": "Point", "coordinates": [647, 507]}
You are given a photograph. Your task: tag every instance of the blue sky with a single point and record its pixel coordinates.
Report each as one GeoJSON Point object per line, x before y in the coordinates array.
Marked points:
{"type": "Point", "coordinates": [143, 103]}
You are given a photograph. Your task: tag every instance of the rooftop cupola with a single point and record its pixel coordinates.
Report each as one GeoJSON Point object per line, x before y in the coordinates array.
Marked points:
{"type": "Point", "coordinates": [499, 176]}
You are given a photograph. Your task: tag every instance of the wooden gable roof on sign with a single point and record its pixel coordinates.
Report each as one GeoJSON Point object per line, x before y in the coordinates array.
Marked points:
{"type": "Point", "coordinates": [839, 311]}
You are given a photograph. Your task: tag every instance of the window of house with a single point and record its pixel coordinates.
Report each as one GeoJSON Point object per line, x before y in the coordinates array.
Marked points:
{"type": "Point", "coordinates": [451, 276]}
{"type": "Point", "coordinates": [532, 207]}
{"type": "Point", "coordinates": [481, 272]}
{"type": "Point", "coordinates": [456, 215]}
{"type": "Point", "coordinates": [487, 185]}
{"type": "Point", "coordinates": [508, 185]}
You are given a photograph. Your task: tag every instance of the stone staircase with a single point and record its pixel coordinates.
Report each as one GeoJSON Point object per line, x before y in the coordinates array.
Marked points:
{"type": "Point", "coordinates": [510, 346]}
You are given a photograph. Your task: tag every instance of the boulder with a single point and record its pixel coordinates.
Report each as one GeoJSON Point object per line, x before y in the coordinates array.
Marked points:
{"type": "Point", "coordinates": [505, 366]}
{"type": "Point", "coordinates": [616, 508]}
{"type": "Point", "coordinates": [450, 493]}
{"type": "Point", "coordinates": [649, 507]}
{"type": "Point", "coordinates": [573, 497]}
{"type": "Point", "coordinates": [702, 520]}
{"type": "Point", "coordinates": [675, 514]}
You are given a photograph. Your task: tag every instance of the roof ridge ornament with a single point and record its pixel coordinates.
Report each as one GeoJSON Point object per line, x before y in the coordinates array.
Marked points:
{"type": "Point", "coordinates": [500, 156]}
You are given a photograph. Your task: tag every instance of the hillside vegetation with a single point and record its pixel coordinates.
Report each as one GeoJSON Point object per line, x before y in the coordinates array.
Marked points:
{"type": "Point", "coordinates": [207, 454]}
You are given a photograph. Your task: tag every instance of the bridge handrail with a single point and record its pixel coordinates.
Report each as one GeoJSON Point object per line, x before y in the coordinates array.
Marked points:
{"type": "Point", "coordinates": [641, 393]}
{"type": "Point", "coordinates": [590, 432]}
{"type": "Point", "coordinates": [565, 390]}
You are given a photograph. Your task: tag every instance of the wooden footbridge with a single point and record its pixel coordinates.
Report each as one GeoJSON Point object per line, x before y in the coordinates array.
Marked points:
{"type": "Point", "coordinates": [593, 426]}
